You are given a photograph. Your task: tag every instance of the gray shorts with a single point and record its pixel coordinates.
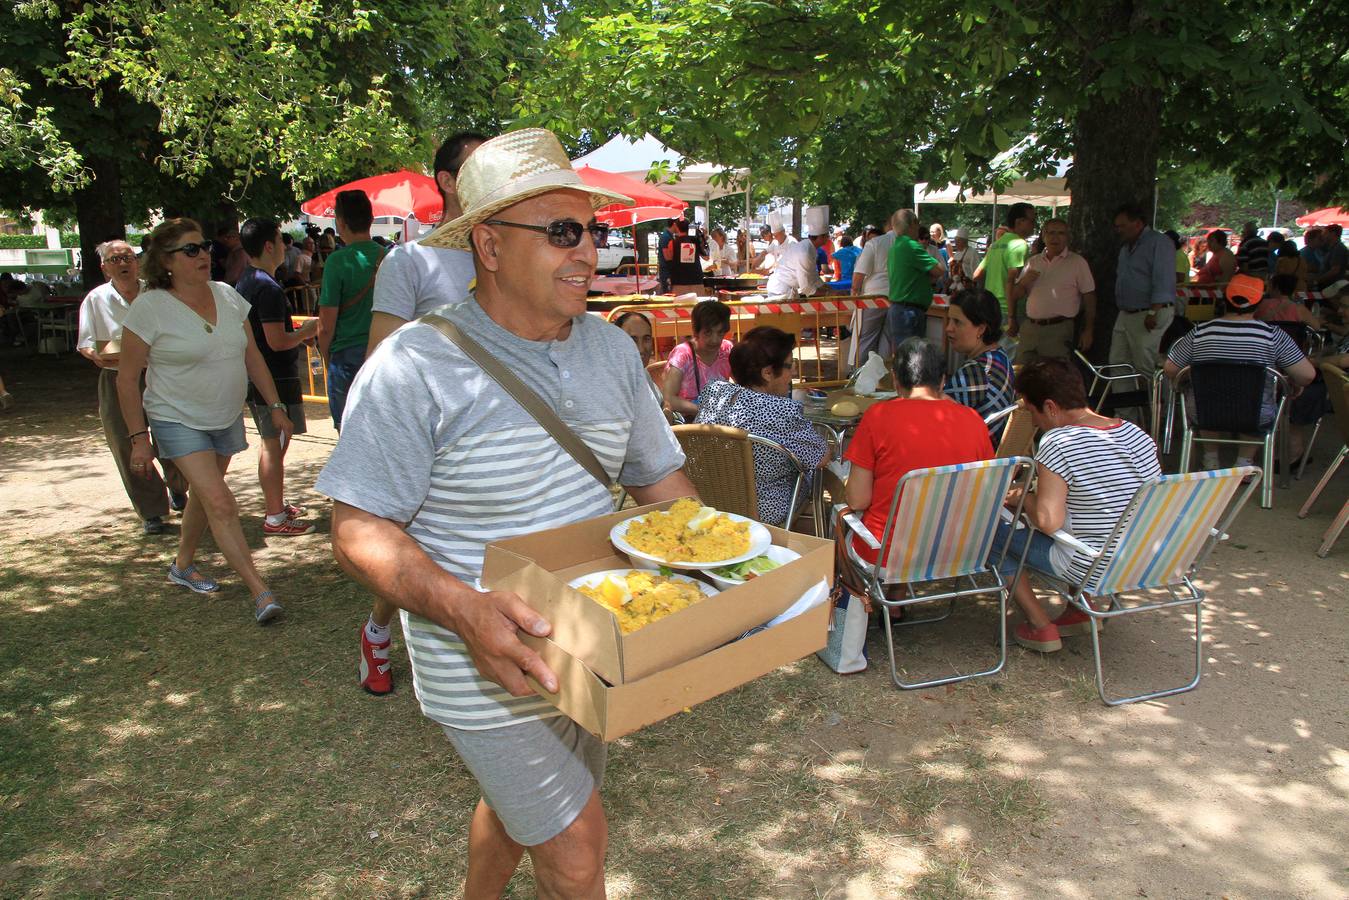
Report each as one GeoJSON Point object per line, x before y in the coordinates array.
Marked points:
{"type": "Point", "coordinates": [262, 418]}
{"type": "Point", "coordinates": [536, 776]}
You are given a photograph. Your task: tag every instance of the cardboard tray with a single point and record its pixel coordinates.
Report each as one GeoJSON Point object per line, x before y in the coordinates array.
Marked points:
{"type": "Point", "coordinates": [538, 567]}
{"type": "Point", "coordinates": [612, 711]}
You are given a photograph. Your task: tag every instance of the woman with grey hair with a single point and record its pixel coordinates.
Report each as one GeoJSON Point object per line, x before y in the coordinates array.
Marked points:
{"type": "Point", "coordinates": [920, 428]}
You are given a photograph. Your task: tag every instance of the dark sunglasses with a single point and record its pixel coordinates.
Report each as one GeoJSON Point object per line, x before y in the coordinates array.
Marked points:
{"type": "Point", "coordinates": [191, 251]}
{"type": "Point", "coordinates": [564, 234]}
{"type": "Point", "coordinates": [120, 260]}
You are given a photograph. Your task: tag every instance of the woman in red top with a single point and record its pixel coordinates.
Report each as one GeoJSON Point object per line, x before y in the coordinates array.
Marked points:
{"type": "Point", "coordinates": [919, 429]}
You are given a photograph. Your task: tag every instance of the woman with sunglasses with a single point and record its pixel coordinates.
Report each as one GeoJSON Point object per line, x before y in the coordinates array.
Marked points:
{"type": "Point", "coordinates": [192, 338]}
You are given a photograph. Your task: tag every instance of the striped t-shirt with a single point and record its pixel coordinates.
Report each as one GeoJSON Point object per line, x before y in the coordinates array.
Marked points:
{"type": "Point", "coordinates": [1245, 341]}
{"type": "Point", "coordinates": [429, 439]}
{"type": "Point", "coordinates": [1103, 467]}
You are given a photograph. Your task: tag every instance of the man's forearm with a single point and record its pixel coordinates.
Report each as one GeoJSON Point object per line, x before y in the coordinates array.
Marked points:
{"type": "Point", "coordinates": [671, 487]}
{"type": "Point", "coordinates": [381, 556]}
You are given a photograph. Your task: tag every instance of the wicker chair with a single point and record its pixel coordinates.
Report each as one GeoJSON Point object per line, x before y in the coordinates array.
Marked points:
{"type": "Point", "coordinates": [720, 463]}
{"type": "Point", "coordinates": [1337, 384]}
{"type": "Point", "coordinates": [1018, 434]}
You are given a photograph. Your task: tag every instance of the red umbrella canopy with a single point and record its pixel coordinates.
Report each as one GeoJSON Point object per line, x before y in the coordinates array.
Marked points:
{"type": "Point", "coordinates": [651, 202]}
{"type": "Point", "coordinates": [1331, 215]}
{"type": "Point", "coordinates": [395, 194]}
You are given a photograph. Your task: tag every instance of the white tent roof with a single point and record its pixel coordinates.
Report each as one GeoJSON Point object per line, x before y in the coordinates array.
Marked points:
{"type": "Point", "coordinates": [635, 158]}
{"type": "Point", "coordinates": [1051, 191]}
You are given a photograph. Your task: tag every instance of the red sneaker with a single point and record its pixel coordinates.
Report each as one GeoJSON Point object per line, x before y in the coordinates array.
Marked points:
{"type": "Point", "coordinates": [294, 512]}
{"type": "Point", "coordinates": [1045, 640]}
{"type": "Point", "coordinates": [1075, 621]}
{"type": "Point", "coordinates": [374, 668]}
{"type": "Point", "coordinates": [288, 528]}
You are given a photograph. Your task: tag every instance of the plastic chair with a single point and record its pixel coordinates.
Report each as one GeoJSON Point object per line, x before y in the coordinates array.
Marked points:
{"type": "Point", "coordinates": [57, 328]}
{"type": "Point", "coordinates": [1167, 531]}
{"type": "Point", "coordinates": [1018, 434]}
{"type": "Point", "coordinates": [1228, 397]}
{"type": "Point", "coordinates": [1337, 385]}
{"type": "Point", "coordinates": [950, 519]}
{"type": "Point", "coordinates": [720, 463]}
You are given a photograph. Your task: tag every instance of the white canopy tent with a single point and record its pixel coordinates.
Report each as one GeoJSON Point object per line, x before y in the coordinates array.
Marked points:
{"type": "Point", "coordinates": [635, 158]}
{"type": "Point", "coordinates": [1051, 191]}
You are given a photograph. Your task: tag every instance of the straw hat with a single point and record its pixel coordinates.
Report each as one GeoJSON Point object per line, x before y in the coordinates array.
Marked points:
{"type": "Point", "coordinates": [505, 170]}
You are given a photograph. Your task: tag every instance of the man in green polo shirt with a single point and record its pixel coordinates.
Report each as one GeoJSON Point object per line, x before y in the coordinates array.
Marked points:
{"type": "Point", "coordinates": [1007, 257]}
{"type": "Point", "coordinates": [346, 300]}
{"type": "Point", "coordinates": [912, 270]}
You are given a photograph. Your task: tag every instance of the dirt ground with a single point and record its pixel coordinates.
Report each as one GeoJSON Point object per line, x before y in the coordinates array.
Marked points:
{"type": "Point", "coordinates": [1239, 789]}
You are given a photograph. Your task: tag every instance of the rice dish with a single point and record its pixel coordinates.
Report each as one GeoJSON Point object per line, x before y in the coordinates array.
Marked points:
{"type": "Point", "coordinates": [640, 598]}
{"type": "Point", "coordinates": [688, 532]}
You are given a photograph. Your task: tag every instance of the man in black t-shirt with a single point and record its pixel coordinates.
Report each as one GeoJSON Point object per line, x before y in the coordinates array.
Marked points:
{"type": "Point", "coordinates": [279, 342]}
{"type": "Point", "coordinates": [686, 269]}
{"type": "Point", "coordinates": [663, 257]}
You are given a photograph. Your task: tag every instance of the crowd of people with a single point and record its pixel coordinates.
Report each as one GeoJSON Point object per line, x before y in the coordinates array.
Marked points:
{"type": "Point", "coordinates": [436, 458]}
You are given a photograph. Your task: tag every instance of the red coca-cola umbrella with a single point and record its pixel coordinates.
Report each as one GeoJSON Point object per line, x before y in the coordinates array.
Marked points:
{"type": "Point", "coordinates": [1331, 215]}
{"type": "Point", "coordinates": [395, 194]}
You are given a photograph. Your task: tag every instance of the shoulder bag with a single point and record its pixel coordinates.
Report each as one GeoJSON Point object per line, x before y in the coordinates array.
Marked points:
{"type": "Point", "coordinates": [524, 395]}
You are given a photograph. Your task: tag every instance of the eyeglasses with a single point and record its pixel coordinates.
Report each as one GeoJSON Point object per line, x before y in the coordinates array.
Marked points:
{"type": "Point", "coordinates": [564, 234]}
{"type": "Point", "coordinates": [191, 251]}
{"type": "Point", "coordinates": [120, 259]}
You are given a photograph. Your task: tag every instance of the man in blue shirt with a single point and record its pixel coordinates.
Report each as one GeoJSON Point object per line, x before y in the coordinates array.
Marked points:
{"type": "Point", "coordinates": [1145, 291]}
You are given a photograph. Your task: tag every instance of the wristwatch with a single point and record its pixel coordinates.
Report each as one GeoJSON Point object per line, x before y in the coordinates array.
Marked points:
{"type": "Point", "coordinates": [278, 405]}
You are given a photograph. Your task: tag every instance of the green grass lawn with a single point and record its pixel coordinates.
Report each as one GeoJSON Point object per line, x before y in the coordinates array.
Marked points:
{"type": "Point", "coordinates": [155, 742]}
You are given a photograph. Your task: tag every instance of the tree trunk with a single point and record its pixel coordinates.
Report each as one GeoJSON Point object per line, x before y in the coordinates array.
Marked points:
{"type": "Point", "coordinates": [98, 209]}
{"type": "Point", "coordinates": [1115, 147]}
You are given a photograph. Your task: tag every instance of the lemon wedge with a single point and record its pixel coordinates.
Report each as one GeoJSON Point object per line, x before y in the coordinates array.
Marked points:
{"type": "Point", "coordinates": [614, 593]}
{"type": "Point", "coordinates": [702, 519]}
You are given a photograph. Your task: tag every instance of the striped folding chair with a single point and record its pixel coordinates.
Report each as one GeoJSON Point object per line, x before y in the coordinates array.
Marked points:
{"type": "Point", "coordinates": [1167, 531]}
{"type": "Point", "coordinates": [945, 534]}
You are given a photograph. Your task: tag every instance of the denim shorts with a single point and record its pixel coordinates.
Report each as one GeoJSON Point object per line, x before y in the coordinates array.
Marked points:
{"type": "Point", "coordinates": [175, 440]}
{"type": "Point", "coordinates": [1037, 557]}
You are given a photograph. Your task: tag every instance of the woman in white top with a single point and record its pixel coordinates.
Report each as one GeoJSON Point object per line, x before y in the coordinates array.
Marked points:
{"type": "Point", "coordinates": [192, 338]}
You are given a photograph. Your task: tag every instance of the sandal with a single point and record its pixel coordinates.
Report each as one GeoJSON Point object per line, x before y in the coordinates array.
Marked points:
{"type": "Point", "coordinates": [265, 608]}
{"type": "Point", "coordinates": [193, 579]}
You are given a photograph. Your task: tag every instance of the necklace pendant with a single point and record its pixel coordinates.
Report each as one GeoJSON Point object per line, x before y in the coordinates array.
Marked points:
{"type": "Point", "coordinates": [208, 327]}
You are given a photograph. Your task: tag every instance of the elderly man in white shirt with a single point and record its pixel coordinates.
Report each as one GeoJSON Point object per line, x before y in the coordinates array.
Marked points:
{"type": "Point", "coordinates": [797, 273]}
{"type": "Point", "coordinates": [871, 277]}
{"type": "Point", "coordinates": [99, 341]}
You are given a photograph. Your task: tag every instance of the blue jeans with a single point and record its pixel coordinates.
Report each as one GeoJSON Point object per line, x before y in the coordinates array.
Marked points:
{"type": "Point", "coordinates": [342, 368]}
{"type": "Point", "coordinates": [1037, 557]}
{"type": "Point", "coordinates": [904, 321]}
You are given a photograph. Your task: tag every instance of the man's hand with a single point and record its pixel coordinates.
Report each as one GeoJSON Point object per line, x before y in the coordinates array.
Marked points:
{"type": "Point", "coordinates": [1084, 340]}
{"type": "Point", "coordinates": [109, 360]}
{"type": "Point", "coordinates": [489, 629]}
{"type": "Point", "coordinates": [1013, 326]}
{"type": "Point", "coordinates": [1150, 320]}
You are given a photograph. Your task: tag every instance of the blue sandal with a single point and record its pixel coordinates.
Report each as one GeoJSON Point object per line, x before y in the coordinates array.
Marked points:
{"type": "Point", "coordinates": [265, 607]}
{"type": "Point", "coordinates": [202, 584]}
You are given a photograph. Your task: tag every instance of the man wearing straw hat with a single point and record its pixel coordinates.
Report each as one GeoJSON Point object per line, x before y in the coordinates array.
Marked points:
{"type": "Point", "coordinates": [436, 460]}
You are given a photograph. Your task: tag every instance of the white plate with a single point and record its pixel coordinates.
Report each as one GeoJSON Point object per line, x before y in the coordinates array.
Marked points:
{"type": "Point", "coordinates": [759, 540]}
{"type": "Point", "coordinates": [774, 552]}
{"type": "Point", "coordinates": [882, 395]}
{"type": "Point", "coordinates": [594, 578]}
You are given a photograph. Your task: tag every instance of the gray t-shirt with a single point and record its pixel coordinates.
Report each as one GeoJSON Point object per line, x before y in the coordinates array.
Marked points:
{"type": "Point", "coordinates": [429, 439]}
{"type": "Point", "coordinates": [415, 279]}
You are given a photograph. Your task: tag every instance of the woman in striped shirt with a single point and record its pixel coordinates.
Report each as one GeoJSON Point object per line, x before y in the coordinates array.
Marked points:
{"type": "Point", "coordinates": [1088, 468]}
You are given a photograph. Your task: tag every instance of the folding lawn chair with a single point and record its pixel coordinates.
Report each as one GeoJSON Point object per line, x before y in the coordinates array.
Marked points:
{"type": "Point", "coordinates": [1337, 385]}
{"type": "Point", "coordinates": [946, 533]}
{"type": "Point", "coordinates": [1165, 534]}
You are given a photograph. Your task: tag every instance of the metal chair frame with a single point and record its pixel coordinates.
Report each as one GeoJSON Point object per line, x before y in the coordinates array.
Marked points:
{"type": "Point", "coordinates": [1337, 385]}
{"type": "Point", "coordinates": [1180, 587]}
{"type": "Point", "coordinates": [1277, 433]}
{"type": "Point", "coordinates": [1014, 470]}
{"type": "Point", "coordinates": [1108, 375]}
